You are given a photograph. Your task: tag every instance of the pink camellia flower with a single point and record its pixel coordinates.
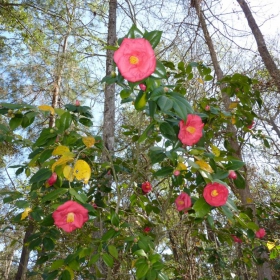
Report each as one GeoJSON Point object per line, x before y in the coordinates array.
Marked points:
{"type": "Point", "coordinates": [191, 131]}
{"type": "Point", "coordinates": [207, 108]}
{"type": "Point", "coordinates": [147, 229]}
{"type": "Point", "coordinates": [236, 239]}
{"type": "Point", "coordinates": [176, 172]}
{"type": "Point", "coordinates": [251, 125]}
{"type": "Point", "coordinates": [232, 175]}
{"type": "Point", "coordinates": [142, 87]}
{"type": "Point", "coordinates": [77, 103]}
{"type": "Point", "coordinates": [215, 194]}
{"type": "Point", "coordinates": [146, 187]}
{"type": "Point", "coordinates": [260, 233]}
{"type": "Point", "coordinates": [51, 180]}
{"type": "Point", "coordinates": [183, 201]}
{"type": "Point", "coordinates": [135, 59]}
{"type": "Point", "coordinates": [70, 215]}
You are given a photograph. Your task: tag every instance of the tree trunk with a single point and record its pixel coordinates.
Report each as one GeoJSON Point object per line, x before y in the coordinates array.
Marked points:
{"type": "Point", "coordinates": [264, 53]}
{"type": "Point", "coordinates": [22, 268]}
{"type": "Point", "coordinates": [109, 102]}
{"type": "Point", "coordinates": [244, 194]}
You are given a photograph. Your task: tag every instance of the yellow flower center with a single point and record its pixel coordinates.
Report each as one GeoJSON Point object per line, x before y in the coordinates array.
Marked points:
{"type": "Point", "coordinates": [133, 59]}
{"type": "Point", "coordinates": [191, 129]}
{"type": "Point", "coordinates": [214, 193]}
{"type": "Point", "coordinates": [180, 202]}
{"type": "Point", "coordinates": [70, 217]}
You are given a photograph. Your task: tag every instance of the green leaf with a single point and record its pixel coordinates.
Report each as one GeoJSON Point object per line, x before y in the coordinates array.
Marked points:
{"type": "Point", "coordinates": [52, 275]}
{"type": "Point", "coordinates": [65, 275]}
{"type": "Point", "coordinates": [48, 135]}
{"type": "Point", "coordinates": [54, 194]}
{"type": "Point", "coordinates": [108, 260]}
{"type": "Point", "coordinates": [227, 212]}
{"type": "Point", "coordinates": [141, 100]}
{"type": "Point", "coordinates": [17, 106]}
{"type": "Point", "coordinates": [65, 121]}
{"type": "Point", "coordinates": [162, 276]}
{"type": "Point", "coordinates": [141, 269]}
{"type": "Point", "coordinates": [167, 170]}
{"type": "Point", "coordinates": [15, 122]}
{"type": "Point", "coordinates": [115, 219]}
{"type": "Point", "coordinates": [153, 37]}
{"type": "Point", "coordinates": [234, 165]}
{"type": "Point", "coordinates": [77, 196]}
{"type": "Point", "coordinates": [239, 182]}
{"type": "Point", "coordinates": [156, 154]}
{"type": "Point", "coordinates": [160, 72]}
{"type": "Point", "coordinates": [113, 251]}
{"type": "Point", "coordinates": [164, 103]}
{"type": "Point", "coordinates": [208, 78]}
{"type": "Point", "coordinates": [125, 93]}
{"type": "Point", "coordinates": [167, 131]}
{"type": "Point", "coordinates": [145, 133]}
{"type": "Point", "coordinates": [134, 32]}
{"type": "Point", "coordinates": [140, 253]}
{"type": "Point", "coordinates": [48, 244]}
{"type": "Point", "coordinates": [108, 234]}
{"type": "Point", "coordinates": [201, 208]}
{"type": "Point", "coordinates": [48, 221]}
{"type": "Point", "coordinates": [266, 144]}
{"type": "Point", "coordinates": [86, 122]}
{"type": "Point", "coordinates": [41, 175]}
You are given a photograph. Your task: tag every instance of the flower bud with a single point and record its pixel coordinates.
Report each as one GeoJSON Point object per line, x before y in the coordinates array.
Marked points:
{"type": "Point", "coordinates": [166, 89]}
{"type": "Point", "coordinates": [232, 175]}
{"type": "Point", "coordinates": [176, 172]}
{"type": "Point", "coordinates": [52, 179]}
{"type": "Point", "coordinates": [77, 103]}
{"type": "Point", "coordinates": [142, 87]}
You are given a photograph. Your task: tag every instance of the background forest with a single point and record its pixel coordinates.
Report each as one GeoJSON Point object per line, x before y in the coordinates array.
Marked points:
{"type": "Point", "coordinates": [73, 129]}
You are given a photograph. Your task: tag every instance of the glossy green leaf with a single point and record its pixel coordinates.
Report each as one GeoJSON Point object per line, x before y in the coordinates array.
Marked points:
{"type": "Point", "coordinates": [140, 100]}
{"type": "Point", "coordinates": [160, 72]}
{"type": "Point", "coordinates": [86, 122]}
{"type": "Point", "coordinates": [79, 197]}
{"type": "Point", "coordinates": [41, 175]}
{"type": "Point", "coordinates": [15, 122]}
{"type": "Point", "coordinates": [167, 131]}
{"type": "Point", "coordinates": [48, 244]}
{"type": "Point", "coordinates": [65, 121]}
{"type": "Point", "coordinates": [54, 195]}
{"type": "Point", "coordinates": [167, 170]}
{"type": "Point", "coordinates": [153, 37]}
{"type": "Point", "coordinates": [108, 260]}
{"type": "Point", "coordinates": [201, 208]}
{"type": "Point", "coordinates": [113, 251]}
{"type": "Point", "coordinates": [141, 269]}
{"type": "Point", "coordinates": [144, 135]}
{"type": "Point", "coordinates": [234, 165]}
{"type": "Point", "coordinates": [239, 182]}
{"type": "Point", "coordinates": [164, 103]}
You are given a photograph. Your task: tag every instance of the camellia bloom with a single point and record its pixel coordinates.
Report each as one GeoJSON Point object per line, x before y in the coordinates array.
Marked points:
{"type": "Point", "coordinates": [215, 194]}
{"type": "Point", "coordinates": [236, 239]}
{"type": "Point", "coordinates": [232, 175]}
{"type": "Point", "coordinates": [52, 179]}
{"type": "Point", "coordinates": [142, 87]}
{"type": "Point", "coordinates": [260, 233]}
{"type": "Point", "coordinates": [183, 201]}
{"type": "Point", "coordinates": [191, 131]}
{"type": "Point", "coordinates": [147, 229]}
{"type": "Point", "coordinates": [146, 187]}
{"type": "Point", "coordinates": [70, 215]}
{"type": "Point", "coordinates": [135, 59]}
{"type": "Point", "coordinates": [251, 125]}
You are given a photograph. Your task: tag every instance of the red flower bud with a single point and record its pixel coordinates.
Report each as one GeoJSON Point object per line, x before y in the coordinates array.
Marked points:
{"type": "Point", "coordinates": [142, 87]}
{"type": "Point", "coordinates": [232, 175]}
{"type": "Point", "coordinates": [77, 103]}
{"type": "Point", "coordinates": [207, 108]}
{"type": "Point", "coordinates": [260, 233]}
{"type": "Point", "coordinates": [52, 179]}
{"type": "Point", "coordinates": [146, 187]}
{"type": "Point", "coordinates": [147, 229]}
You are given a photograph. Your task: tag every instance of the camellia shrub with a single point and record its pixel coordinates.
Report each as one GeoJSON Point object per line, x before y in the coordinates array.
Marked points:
{"type": "Point", "coordinates": [72, 190]}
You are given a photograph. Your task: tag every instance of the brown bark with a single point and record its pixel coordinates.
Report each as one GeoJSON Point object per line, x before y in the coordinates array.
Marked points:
{"type": "Point", "coordinates": [244, 194]}
{"type": "Point", "coordinates": [262, 48]}
{"type": "Point", "coordinates": [22, 268]}
{"type": "Point", "coordinates": [109, 103]}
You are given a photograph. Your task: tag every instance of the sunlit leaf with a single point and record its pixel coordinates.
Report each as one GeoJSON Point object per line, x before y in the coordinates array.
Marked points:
{"type": "Point", "coordinates": [68, 173]}
{"type": "Point", "coordinates": [60, 151]}
{"type": "Point", "coordinates": [215, 150]}
{"type": "Point", "coordinates": [181, 166]}
{"type": "Point", "coordinates": [88, 141]}
{"type": "Point", "coordinates": [204, 166]}
{"type": "Point", "coordinates": [47, 108]}
{"type": "Point", "coordinates": [61, 161]}
{"type": "Point", "coordinates": [82, 171]}
{"type": "Point", "coordinates": [270, 245]}
{"type": "Point", "coordinates": [232, 105]}
{"type": "Point", "coordinates": [25, 213]}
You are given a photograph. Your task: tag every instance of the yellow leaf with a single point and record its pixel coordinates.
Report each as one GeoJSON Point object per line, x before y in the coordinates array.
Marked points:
{"type": "Point", "coordinates": [270, 245]}
{"type": "Point", "coordinates": [68, 173]}
{"type": "Point", "coordinates": [82, 171]}
{"type": "Point", "coordinates": [61, 161]}
{"type": "Point", "coordinates": [249, 200]}
{"type": "Point", "coordinates": [215, 150]}
{"type": "Point", "coordinates": [200, 81]}
{"type": "Point", "coordinates": [181, 166]}
{"type": "Point", "coordinates": [204, 166]}
{"type": "Point", "coordinates": [88, 141]}
{"type": "Point", "coordinates": [25, 213]}
{"type": "Point", "coordinates": [233, 105]}
{"type": "Point", "coordinates": [233, 120]}
{"type": "Point", "coordinates": [60, 150]}
{"type": "Point", "coordinates": [47, 108]}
